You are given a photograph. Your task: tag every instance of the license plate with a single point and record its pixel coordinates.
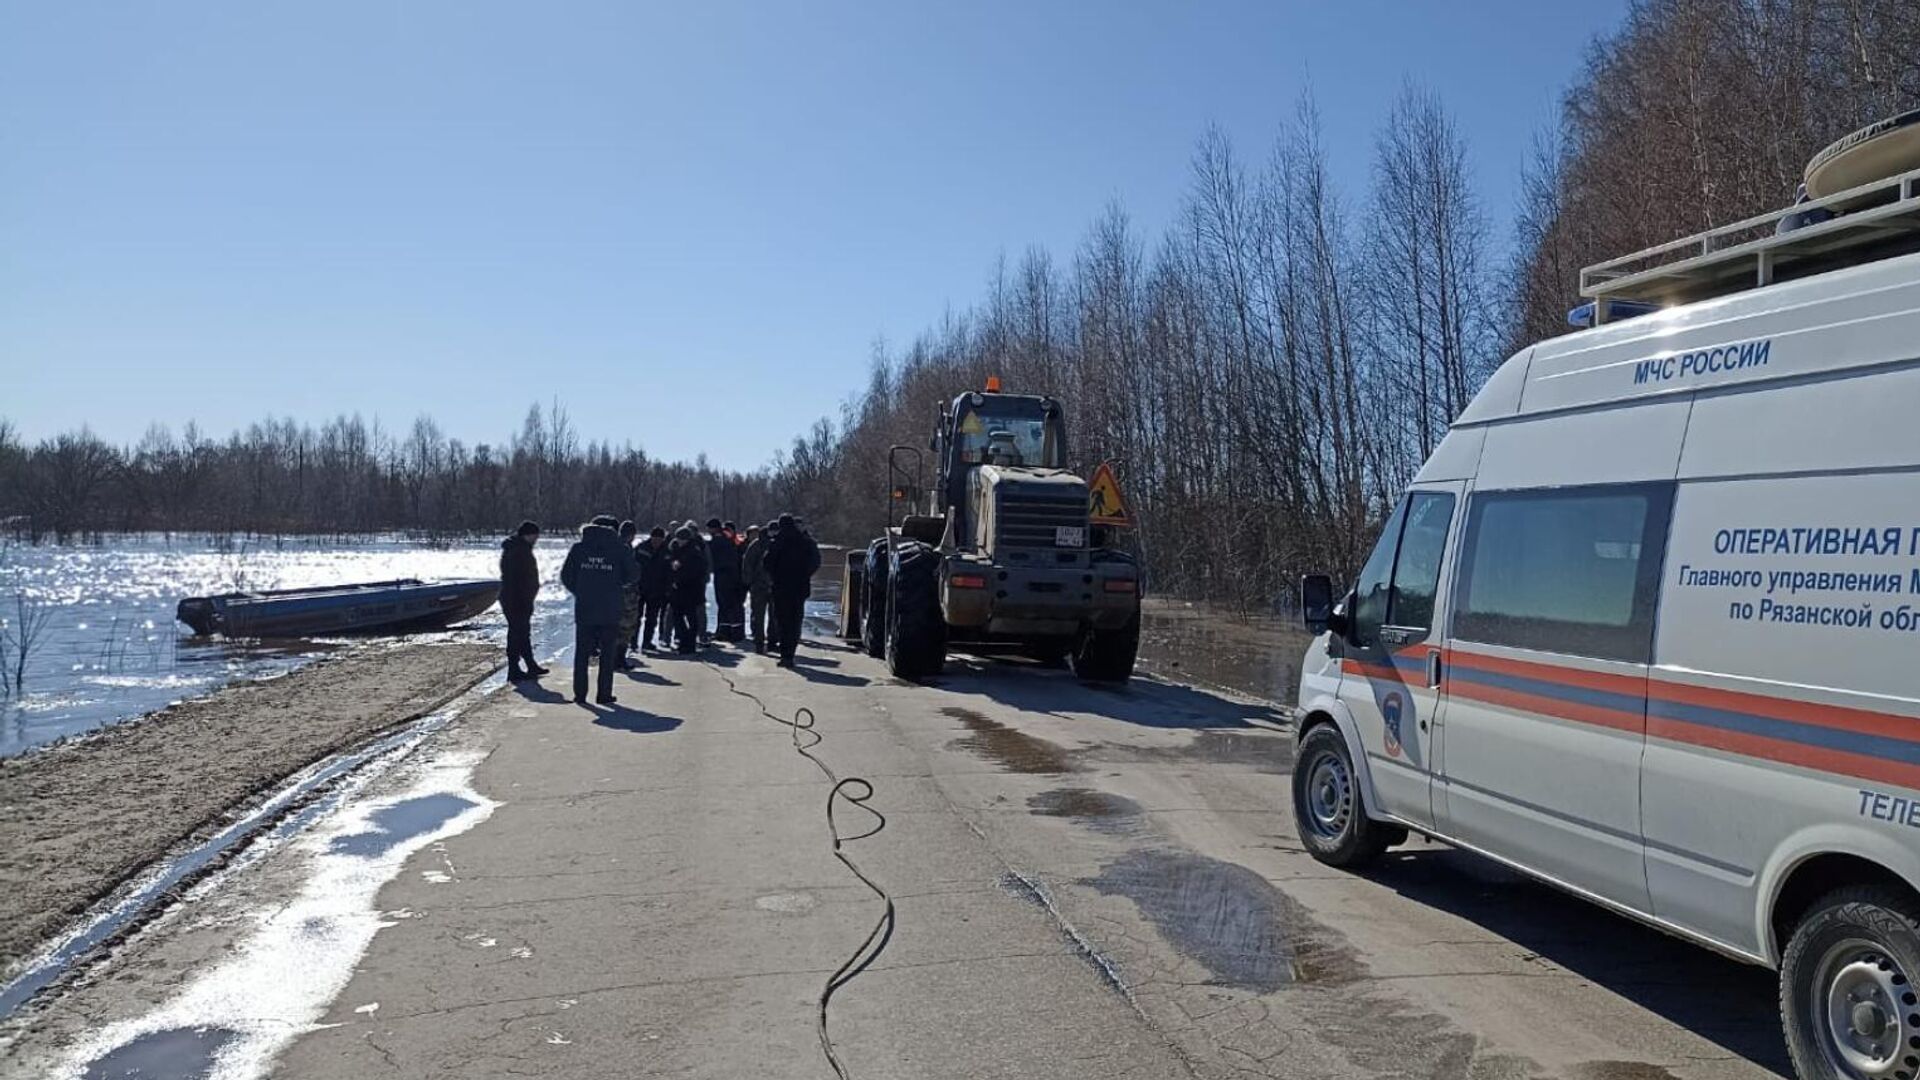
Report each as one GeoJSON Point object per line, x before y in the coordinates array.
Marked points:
{"type": "Point", "coordinates": [1070, 536]}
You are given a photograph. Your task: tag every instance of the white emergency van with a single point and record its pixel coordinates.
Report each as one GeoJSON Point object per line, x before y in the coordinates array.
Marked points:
{"type": "Point", "coordinates": [1647, 624]}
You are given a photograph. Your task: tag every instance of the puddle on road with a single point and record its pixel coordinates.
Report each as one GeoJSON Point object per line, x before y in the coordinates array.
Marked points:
{"type": "Point", "coordinates": [1620, 1070]}
{"type": "Point", "coordinates": [1267, 752]}
{"type": "Point", "coordinates": [1098, 810]}
{"type": "Point", "coordinates": [401, 822]}
{"type": "Point", "coordinates": [1015, 751]}
{"type": "Point", "coordinates": [1228, 919]}
{"type": "Point", "coordinates": [173, 1054]}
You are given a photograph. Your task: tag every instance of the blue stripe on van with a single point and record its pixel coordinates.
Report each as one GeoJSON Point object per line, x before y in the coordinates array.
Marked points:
{"type": "Point", "coordinates": [1852, 742]}
{"type": "Point", "coordinates": [1599, 699]}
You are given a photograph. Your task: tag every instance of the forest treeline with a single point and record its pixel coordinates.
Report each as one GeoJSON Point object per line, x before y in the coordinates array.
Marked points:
{"type": "Point", "coordinates": [1269, 372]}
{"type": "Point", "coordinates": [1265, 375]}
{"type": "Point", "coordinates": [350, 476]}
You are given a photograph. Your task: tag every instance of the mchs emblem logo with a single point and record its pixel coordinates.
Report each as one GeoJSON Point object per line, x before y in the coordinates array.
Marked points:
{"type": "Point", "coordinates": [1390, 709]}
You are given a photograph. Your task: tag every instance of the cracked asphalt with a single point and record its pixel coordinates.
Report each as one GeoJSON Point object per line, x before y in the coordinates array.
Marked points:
{"type": "Point", "coordinates": [1088, 882]}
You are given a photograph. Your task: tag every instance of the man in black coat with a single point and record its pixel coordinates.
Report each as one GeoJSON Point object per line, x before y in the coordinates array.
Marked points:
{"type": "Point", "coordinates": [519, 586]}
{"type": "Point", "coordinates": [696, 613]}
{"type": "Point", "coordinates": [686, 557]}
{"type": "Point", "coordinates": [656, 585]}
{"type": "Point", "coordinates": [792, 559]}
{"type": "Point", "coordinates": [729, 593]}
{"type": "Point", "coordinates": [598, 572]}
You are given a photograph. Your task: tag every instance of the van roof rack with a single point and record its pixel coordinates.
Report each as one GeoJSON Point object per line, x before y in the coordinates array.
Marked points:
{"type": "Point", "coordinates": [1876, 220]}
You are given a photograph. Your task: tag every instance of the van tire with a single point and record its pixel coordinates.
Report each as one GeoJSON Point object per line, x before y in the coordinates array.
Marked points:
{"type": "Point", "coordinates": [1866, 938]}
{"type": "Point", "coordinates": [1328, 811]}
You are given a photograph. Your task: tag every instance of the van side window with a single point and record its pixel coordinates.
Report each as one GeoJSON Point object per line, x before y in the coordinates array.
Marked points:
{"type": "Point", "coordinates": [1567, 570]}
{"type": "Point", "coordinates": [1376, 579]}
{"type": "Point", "coordinates": [1416, 574]}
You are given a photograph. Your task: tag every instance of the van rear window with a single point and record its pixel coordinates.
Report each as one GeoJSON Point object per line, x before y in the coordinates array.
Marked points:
{"type": "Point", "coordinates": [1566, 570]}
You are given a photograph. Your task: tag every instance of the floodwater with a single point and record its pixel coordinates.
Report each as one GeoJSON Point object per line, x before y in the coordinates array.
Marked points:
{"type": "Point", "coordinates": [111, 650]}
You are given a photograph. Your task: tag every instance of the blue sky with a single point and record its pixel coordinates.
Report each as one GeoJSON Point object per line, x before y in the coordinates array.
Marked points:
{"type": "Point", "coordinates": [688, 222]}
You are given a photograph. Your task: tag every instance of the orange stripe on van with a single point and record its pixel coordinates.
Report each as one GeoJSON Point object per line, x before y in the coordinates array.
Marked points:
{"type": "Point", "coordinates": [1566, 676]}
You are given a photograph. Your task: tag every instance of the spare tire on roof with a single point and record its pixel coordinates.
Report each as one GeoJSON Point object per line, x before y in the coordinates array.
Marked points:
{"type": "Point", "coordinates": [1875, 152]}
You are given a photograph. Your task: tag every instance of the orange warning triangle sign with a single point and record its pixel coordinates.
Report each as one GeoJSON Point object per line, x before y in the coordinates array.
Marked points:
{"type": "Point", "coordinates": [1105, 505]}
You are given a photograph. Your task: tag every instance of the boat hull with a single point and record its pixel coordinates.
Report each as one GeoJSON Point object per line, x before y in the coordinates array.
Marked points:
{"type": "Point", "coordinates": [380, 607]}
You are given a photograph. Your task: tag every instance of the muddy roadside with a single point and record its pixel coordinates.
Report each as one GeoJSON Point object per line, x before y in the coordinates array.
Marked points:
{"type": "Point", "coordinates": [1191, 642]}
{"type": "Point", "coordinates": [79, 818]}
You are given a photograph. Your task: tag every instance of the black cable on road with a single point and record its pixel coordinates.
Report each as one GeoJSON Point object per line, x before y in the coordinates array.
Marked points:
{"type": "Point", "coordinates": [856, 791]}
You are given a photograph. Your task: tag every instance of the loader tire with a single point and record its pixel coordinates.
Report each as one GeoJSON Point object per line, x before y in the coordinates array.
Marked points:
{"type": "Point", "coordinates": [916, 629]}
{"type": "Point", "coordinates": [1107, 655]}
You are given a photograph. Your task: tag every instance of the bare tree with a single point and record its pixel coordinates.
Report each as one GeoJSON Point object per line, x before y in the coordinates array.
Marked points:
{"type": "Point", "coordinates": [21, 633]}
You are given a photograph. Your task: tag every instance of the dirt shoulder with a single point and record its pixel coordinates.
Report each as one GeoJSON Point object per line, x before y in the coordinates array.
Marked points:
{"type": "Point", "coordinates": [79, 818]}
{"type": "Point", "coordinates": [1189, 641]}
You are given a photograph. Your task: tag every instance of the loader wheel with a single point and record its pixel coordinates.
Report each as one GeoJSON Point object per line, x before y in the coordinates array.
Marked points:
{"type": "Point", "coordinates": [1107, 655]}
{"type": "Point", "coordinates": [916, 630]}
{"type": "Point", "coordinates": [874, 632]}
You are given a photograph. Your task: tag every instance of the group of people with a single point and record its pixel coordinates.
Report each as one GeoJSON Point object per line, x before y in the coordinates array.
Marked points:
{"type": "Point", "coordinates": [634, 594]}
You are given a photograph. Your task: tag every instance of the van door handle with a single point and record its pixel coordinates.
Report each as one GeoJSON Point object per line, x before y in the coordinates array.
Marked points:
{"type": "Point", "coordinates": [1433, 668]}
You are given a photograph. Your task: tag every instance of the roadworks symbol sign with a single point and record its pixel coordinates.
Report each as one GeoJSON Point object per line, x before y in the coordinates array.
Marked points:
{"type": "Point", "coordinates": [1105, 505]}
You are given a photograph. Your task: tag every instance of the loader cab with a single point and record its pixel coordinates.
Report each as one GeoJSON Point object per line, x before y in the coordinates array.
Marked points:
{"type": "Point", "coordinates": [1010, 430]}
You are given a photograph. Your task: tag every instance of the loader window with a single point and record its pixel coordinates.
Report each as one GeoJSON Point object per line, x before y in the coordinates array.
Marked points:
{"type": "Point", "coordinates": [1026, 441]}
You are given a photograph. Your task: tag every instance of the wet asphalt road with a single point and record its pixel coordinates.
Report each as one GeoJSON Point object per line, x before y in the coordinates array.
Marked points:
{"type": "Point", "coordinates": [1085, 882]}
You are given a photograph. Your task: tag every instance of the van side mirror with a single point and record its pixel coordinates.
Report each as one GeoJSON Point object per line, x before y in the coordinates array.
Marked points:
{"type": "Point", "coordinates": [1316, 602]}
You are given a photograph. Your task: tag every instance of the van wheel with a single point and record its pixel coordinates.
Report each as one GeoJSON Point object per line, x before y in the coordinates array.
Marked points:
{"type": "Point", "coordinates": [1847, 996]}
{"type": "Point", "coordinates": [1327, 810]}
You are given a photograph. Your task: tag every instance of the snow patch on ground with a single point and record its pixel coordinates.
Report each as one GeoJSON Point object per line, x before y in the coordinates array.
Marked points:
{"type": "Point", "coordinates": [279, 983]}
